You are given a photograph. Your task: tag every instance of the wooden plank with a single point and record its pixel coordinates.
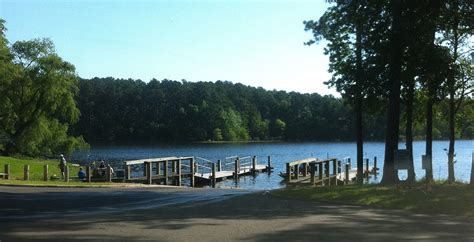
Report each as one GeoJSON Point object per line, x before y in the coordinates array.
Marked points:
{"type": "Point", "coordinates": [297, 162]}
{"type": "Point", "coordinates": [161, 159]}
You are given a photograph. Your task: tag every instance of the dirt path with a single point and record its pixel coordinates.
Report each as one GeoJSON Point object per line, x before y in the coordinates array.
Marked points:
{"type": "Point", "coordinates": [205, 214]}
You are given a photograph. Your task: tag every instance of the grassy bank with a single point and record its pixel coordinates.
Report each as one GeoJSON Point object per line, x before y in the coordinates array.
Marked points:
{"type": "Point", "coordinates": [455, 199]}
{"type": "Point", "coordinates": [36, 168]}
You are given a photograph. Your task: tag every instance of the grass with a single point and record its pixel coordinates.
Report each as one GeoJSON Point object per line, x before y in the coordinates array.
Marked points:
{"type": "Point", "coordinates": [36, 168]}
{"type": "Point", "coordinates": [455, 199]}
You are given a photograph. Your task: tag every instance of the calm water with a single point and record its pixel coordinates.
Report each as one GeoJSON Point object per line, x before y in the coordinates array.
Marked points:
{"type": "Point", "coordinates": [284, 152]}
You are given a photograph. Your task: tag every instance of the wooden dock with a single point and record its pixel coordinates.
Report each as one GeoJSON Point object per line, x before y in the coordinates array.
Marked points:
{"type": "Point", "coordinates": [172, 170]}
{"type": "Point", "coordinates": [324, 172]}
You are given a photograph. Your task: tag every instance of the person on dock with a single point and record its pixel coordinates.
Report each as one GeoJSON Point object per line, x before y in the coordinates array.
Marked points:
{"type": "Point", "coordinates": [62, 164]}
{"type": "Point", "coordinates": [81, 174]}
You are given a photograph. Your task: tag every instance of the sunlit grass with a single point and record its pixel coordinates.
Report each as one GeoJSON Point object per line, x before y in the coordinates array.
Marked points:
{"type": "Point", "coordinates": [452, 199]}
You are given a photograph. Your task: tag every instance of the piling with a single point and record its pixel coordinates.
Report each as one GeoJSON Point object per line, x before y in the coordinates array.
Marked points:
{"type": "Point", "coordinates": [7, 172]}
{"type": "Point", "coordinates": [45, 172]}
{"type": "Point", "coordinates": [126, 174]}
{"type": "Point", "coordinates": [269, 163]}
{"type": "Point", "coordinates": [297, 171]}
{"type": "Point", "coordinates": [236, 169]}
{"type": "Point", "coordinates": [375, 164]}
{"type": "Point", "coordinates": [26, 172]}
{"type": "Point", "coordinates": [178, 170]}
{"type": "Point", "coordinates": [191, 167]}
{"type": "Point", "coordinates": [148, 172]}
{"type": "Point", "coordinates": [320, 172]}
{"type": "Point", "coordinates": [254, 164]}
{"type": "Point", "coordinates": [88, 174]}
{"type": "Point", "coordinates": [367, 169]}
{"type": "Point", "coordinates": [145, 172]}
{"type": "Point", "coordinates": [108, 174]}
{"type": "Point", "coordinates": [288, 172]}
{"type": "Point", "coordinates": [334, 170]}
{"type": "Point", "coordinates": [326, 172]}
{"type": "Point", "coordinates": [165, 172]}
{"type": "Point", "coordinates": [66, 173]}
{"type": "Point", "coordinates": [312, 168]}
{"type": "Point", "coordinates": [346, 180]}
{"type": "Point", "coordinates": [219, 165]}
{"type": "Point", "coordinates": [214, 175]}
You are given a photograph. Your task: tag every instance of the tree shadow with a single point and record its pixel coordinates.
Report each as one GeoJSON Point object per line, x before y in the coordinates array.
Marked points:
{"type": "Point", "coordinates": [155, 215]}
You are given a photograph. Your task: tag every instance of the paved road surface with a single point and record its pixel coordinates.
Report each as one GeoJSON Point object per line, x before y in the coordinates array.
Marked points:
{"type": "Point", "coordinates": [171, 214]}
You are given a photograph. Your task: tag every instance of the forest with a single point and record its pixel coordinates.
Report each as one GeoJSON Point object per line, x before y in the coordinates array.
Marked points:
{"type": "Point", "coordinates": [127, 110]}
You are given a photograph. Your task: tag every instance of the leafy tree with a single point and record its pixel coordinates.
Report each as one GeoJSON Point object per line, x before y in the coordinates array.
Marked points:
{"type": "Point", "coordinates": [40, 101]}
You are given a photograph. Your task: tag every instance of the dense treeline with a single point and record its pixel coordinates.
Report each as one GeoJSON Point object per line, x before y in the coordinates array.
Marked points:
{"type": "Point", "coordinates": [126, 110]}
{"type": "Point", "coordinates": [131, 110]}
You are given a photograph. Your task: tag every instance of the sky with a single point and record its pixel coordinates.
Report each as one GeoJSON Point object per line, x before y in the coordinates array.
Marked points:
{"type": "Point", "coordinates": [257, 43]}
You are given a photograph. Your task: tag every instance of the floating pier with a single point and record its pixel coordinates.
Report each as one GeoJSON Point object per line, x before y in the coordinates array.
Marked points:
{"type": "Point", "coordinates": [172, 170]}
{"type": "Point", "coordinates": [324, 172]}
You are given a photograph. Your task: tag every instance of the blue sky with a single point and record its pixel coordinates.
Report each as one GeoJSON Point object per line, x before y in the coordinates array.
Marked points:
{"type": "Point", "coordinates": [258, 43]}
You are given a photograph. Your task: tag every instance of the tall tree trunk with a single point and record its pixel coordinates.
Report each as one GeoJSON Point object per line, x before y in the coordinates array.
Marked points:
{"type": "Point", "coordinates": [360, 142]}
{"type": "Point", "coordinates": [452, 138]}
{"type": "Point", "coordinates": [434, 6]}
{"type": "Point", "coordinates": [452, 102]}
{"type": "Point", "coordinates": [393, 114]}
{"type": "Point", "coordinates": [359, 105]}
{"type": "Point", "coordinates": [429, 136]}
{"type": "Point", "coordinates": [409, 127]}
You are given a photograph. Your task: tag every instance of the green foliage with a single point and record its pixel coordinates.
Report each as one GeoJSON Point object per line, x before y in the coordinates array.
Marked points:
{"type": "Point", "coordinates": [37, 99]}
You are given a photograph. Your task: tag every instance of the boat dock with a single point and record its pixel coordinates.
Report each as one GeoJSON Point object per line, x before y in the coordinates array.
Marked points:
{"type": "Point", "coordinates": [173, 170]}
{"type": "Point", "coordinates": [324, 172]}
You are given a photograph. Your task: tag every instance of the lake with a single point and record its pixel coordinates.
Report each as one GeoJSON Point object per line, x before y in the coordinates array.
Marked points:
{"type": "Point", "coordinates": [284, 152]}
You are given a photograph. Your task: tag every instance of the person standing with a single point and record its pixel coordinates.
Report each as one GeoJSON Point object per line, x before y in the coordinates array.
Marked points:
{"type": "Point", "coordinates": [62, 164]}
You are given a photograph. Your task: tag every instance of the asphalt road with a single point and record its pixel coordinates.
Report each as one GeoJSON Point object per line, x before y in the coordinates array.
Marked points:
{"type": "Point", "coordinates": [172, 214]}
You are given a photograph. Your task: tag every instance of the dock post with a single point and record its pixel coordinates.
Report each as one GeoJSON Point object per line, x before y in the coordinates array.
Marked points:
{"type": "Point", "coordinates": [297, 171]}
{"type": "Point", "coordinates": [269, 164]}
{"type": "Point", "coordinates": [127, 173]}
{"type": "Point", "coordinates": [350, 164]}
{"type": "Point", "coordinates": [254, 164]}
{"type": "Point", "coordinates": [108, 174]}
{"type": "Point", "coordinates": [26, 172]}
{"type": "Point", "coordinates": [88, 173]}
{"type": "Point", "coordinates": [214, 175]}
{"type": "Point", "coordinates": [219, 165]}
{"type": "Point", "coordinates": [165, 172]}
{"type": "Point", "coordinates": [367, 167]}
{"type": "Point", "coordinates": [334, 170]}
{"type": "Point", "coordinates": [148, 172]}
{"type": "Point", "coordinates": [145, 167]}
{"type": "Point", "coordinates": [326, 171]}
{"type": "Point", "coordinates": [375, 165]}
{"type": "Point", "coordinates": [346, 180]}
{"type": "Point", "coordinates": [305, 169]}
{"type": "Point", "coordinates": [320, 171]}
{"type": "Point", "coordinates": [7, 172]}
{"type": "Point", "coordinates": [191, 167]}
{"type": "Point", "coordinates": [66, 173]}
{"type": "Point", "coordinates": [178, 170]}
{"type": "Point", "coordinates": [236, 169]}
{"type": "Point", "coordinates": [288, 172]}
{"type": "Point", "coordinates": [312, 168]}
{"type": "Point", "coordinates": [45, 172]}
